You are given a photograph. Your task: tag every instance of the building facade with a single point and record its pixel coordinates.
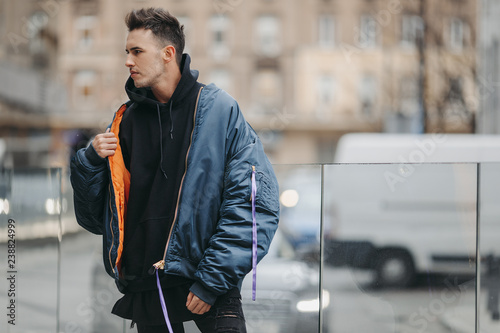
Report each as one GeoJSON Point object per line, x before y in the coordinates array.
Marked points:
{"type": "Point", "coordinates": [33, 101]}
{"type": "Point", "coordinates": [303, 72]}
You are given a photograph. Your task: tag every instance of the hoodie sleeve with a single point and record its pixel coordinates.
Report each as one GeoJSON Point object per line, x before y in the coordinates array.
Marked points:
{"type": "Point", "coordinates": [89, 179]}
{"type": "Point", "coordinates": [229, 256]}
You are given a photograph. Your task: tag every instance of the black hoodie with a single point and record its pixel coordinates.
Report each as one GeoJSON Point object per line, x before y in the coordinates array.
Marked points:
{"type": "Point", "coordinates": [154, 138]}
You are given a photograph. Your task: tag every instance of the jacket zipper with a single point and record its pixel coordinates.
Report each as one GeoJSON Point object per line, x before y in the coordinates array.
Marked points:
{"type": "Point", "coordinates": [112, 233]}
{"type": "Point", "coordinates": [161, 264]}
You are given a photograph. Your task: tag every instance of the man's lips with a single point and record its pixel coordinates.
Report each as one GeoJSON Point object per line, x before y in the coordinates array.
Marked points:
{"type": "Point", "coordinates": [132, 73]}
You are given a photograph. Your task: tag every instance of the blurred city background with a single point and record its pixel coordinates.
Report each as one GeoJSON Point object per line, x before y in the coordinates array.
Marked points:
{"type": "Point", "coordinates": [304, 72]}
{"type": "Point", "coordinates": [349, 98]}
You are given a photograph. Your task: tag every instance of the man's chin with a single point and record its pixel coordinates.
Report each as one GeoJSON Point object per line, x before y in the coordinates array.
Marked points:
{"type": "Point", "coordinates": [139, 84]}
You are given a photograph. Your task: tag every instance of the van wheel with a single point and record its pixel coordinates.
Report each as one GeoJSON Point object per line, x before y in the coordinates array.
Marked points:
{"type": "Point", "coordinates": [394, 269]}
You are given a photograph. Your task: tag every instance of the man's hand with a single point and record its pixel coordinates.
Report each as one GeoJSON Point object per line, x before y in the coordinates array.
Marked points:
{"type": "Point", "coordinates": [105, 144]}
{"type": "Point", "coordinates": [196, 305]}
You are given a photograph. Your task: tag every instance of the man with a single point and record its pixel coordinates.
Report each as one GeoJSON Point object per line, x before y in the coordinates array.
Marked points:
{"type": "Point", "coordinates": [180, 188]}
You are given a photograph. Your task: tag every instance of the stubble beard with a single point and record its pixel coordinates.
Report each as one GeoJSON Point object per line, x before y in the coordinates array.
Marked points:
{"type": "Point", "coordinates": [156, 72]}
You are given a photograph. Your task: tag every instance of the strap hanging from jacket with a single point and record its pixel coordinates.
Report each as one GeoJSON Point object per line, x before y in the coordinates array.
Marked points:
{"type": "Point", "coordinates": [162, 301]}
{"type": "Point", "coordinates": [254, 236]}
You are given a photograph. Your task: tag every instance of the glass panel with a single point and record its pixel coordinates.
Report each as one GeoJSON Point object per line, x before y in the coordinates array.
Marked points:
{"type": "Point", "coordinates": [489, 247]}
{"type": "Point", "coordinates": [288, 277]}
{"type": "Point", "coordinates": [30, 227]}
{"type": "Point", "coordinates": [399, 247]}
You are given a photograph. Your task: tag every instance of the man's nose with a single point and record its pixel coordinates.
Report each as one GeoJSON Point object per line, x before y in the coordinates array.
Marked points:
{"type": "Point", "coordinates": [128, 62]}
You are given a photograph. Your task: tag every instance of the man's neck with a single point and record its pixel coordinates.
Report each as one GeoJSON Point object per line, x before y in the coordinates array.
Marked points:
{"type": "Point", "coordinates": [164, 90]}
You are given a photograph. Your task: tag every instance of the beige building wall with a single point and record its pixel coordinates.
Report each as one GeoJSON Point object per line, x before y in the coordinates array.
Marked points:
{"type": "Point", "coordinates": [303, 72]}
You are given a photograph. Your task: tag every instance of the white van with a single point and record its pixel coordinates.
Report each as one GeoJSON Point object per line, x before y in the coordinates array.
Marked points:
{"type": "Point", "coordinates": [417, 214]}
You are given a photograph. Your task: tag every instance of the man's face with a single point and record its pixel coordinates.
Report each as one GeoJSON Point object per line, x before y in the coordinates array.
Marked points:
{"type": "Point", "coordinates": [144, 58]}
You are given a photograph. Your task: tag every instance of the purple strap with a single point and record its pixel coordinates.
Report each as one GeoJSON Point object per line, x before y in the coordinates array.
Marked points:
{"type": "Point", "coordinates": [162, 301]}
{"type": "Point", "coordinates": [254, 237]}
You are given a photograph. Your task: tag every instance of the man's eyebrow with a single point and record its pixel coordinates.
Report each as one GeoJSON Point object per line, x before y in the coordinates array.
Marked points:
{"type": "Point", "coordinates": [133, 48]}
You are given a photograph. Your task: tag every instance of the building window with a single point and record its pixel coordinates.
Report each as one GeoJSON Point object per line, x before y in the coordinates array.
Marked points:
{"type": "Point", "coordinates": [368, 32]}
{"type": "Point", "coordinates": [38, 39]}
{"type": "Point", "coordinates": [85, 30]}
{"type": "Point", "coordinates": [412, 28]}
{"type": "Point", "coordinates": [267, 90]}
{"type": "Point", "coordinates": [267, 32]}
{"type": "Point", "coordinates": [222, 78]}
{"type": "Point", "coordinates": [457, 34]}
{"type": "Point", "coordinates": [325, 96]}
{"type": "Point", "coordinates": [409, 94]}
{"type": "Point", "coordinates": [84, 88]}
{"type": "Point", "coordinates": [326, 31]}
{"type": "Point", "coordinates": [219, 27]}
{"type": "Point", "coordinates": [367, 95]}
{"type": "Point", "coordinates": [455, 103]}
{"type": "Point", "coordinates": [38, 23]}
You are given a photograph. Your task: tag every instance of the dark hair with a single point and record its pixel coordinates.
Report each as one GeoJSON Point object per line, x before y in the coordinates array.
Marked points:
{"type": "Point", "coordinates": [165, 27]}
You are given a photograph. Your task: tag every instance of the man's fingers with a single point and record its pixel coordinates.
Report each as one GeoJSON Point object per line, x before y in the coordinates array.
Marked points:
{"type": "Point", "coordinates": [108, 136]}
{"type": "Point", "coordinates": [108, 129]}
{"type": "Point", "coordinates": [189, 299]}
{"type": "Point", "coordinates": [108, 146]}
{"type": "Point", "coordinates": [105, 144]}
{"type": "Point", "coordinates": [199, 309]}
{"type": "Point", "coordinates": [204, 308]}
{"type": "Point", "coordinates": [105, 138]}
{"type": "Point", "coordinates": [196, 305]}
{"type": "Point", "coordinates": [105, 153]}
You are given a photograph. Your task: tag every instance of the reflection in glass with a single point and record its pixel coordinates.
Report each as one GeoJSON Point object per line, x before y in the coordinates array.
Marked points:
{"type": "Point", "coordinates": [402, 254]}
{"type": "Point", "coordinates": [30, 234]}
{"type": "Point", "coordinates": [398, 245]}
{"type": "Point", "coordinates": [288, 277]}
{"type": "Point", "coordinates": [489, 247]}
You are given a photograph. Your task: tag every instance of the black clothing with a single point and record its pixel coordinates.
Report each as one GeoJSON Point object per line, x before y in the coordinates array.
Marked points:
{"type": "Point", "coordinates": [154, 138]}
{"type": "Point", "coordinates": [226, 315]}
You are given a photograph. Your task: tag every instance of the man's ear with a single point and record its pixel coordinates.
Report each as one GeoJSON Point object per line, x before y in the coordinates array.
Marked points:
{"type": "Point", "coordinates": [168, 53]}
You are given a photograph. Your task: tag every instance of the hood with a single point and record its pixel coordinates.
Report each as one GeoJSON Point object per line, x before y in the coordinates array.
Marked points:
{"type": "Point", "coordinates": [145, 96]}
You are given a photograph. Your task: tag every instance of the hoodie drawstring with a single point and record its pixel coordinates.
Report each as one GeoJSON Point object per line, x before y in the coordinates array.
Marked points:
{"type": "Point", "coordinates": [161, 142]}
{"type": "Point", "coordinates": [163, 305]}
{"type": "Point", "coordinates": [158, 284]}
{"type": "Point", "coordinates": [171, 121]}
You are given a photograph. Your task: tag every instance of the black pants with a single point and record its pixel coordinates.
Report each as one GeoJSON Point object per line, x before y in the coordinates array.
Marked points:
{"type": "Point", "coordinates": [226, 315]}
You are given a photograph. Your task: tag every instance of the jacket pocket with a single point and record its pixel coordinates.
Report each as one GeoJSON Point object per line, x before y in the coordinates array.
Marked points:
{"type": "Point", "coordinates": [267, 192]}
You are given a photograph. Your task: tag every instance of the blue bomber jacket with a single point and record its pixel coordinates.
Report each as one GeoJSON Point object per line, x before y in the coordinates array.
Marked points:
{"type": "Point", "coordinates": [210, 240]}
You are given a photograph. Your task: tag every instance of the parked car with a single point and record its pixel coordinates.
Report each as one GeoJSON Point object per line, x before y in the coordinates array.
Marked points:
{"type": "Point", "coordinates": [287, 297]}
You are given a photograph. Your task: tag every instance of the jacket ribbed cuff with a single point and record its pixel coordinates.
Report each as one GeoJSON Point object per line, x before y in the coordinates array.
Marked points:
{"type": "Point", "coordinates": [203, 293]}
{"type": "Point", "coordinates": [93, 157]}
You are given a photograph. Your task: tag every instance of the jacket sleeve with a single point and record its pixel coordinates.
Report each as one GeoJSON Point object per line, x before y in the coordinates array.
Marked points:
{"type": "Point", "coordinates": [89, 179]}
{"type": "Point", "coordinates": [229, 256]}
